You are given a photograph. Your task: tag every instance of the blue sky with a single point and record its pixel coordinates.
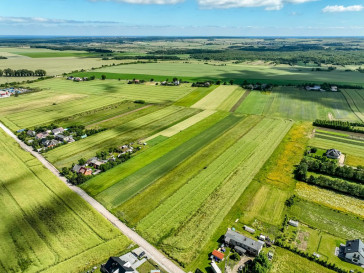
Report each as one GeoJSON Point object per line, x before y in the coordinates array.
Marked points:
{"type": "Point", "coordinates": [183, 17]}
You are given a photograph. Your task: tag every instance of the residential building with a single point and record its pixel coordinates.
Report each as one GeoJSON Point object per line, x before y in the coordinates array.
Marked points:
{"type": "Point", "coordinates": [85, 171]}
{"type": "Point", "coordinates": [333, 153]}
{"type": "Point", "coordinates": [31, 133]}
{"type": "Point", "coordinates": [252, 246]}
{"type": "Point", "coordinates": [57, 131]}
{"type": "Point", "coordinates": [217, 255]}
{"type": "Point", "coordinates": [116, 265]}
{"type": "Point", "coordinates": [352, 251]}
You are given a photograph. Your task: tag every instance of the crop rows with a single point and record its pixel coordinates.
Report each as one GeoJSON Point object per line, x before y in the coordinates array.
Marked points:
{"type": "Point", "coordinates": [176, 209]}
{"type": "Point", "coordinates": [194, 234]}
{"type": "Point", "coordinates": [356, 102]}
{"type": "Point", "coordinates": [215, 98]}
{"type": "Point", "coordinates": [128, 187]}
{"type": "Point", "coordinates": [105, 180]}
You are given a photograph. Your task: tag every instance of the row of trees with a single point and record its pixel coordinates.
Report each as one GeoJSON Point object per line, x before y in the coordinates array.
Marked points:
{"type": "Point", "coordinates": [353, 189]}
{"type": "Point", "coordinates": [331, 168]}
{"type": "Point", "coordinates": [8, 72]}
{"type": "Point", "coordinates": [340, 125]}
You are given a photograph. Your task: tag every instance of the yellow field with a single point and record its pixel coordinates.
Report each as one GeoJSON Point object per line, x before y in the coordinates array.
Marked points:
{"type": "Point", "coordinates": [215, 98]}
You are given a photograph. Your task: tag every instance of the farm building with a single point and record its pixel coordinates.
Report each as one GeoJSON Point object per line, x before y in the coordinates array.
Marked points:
{"type": "Point", "coordinates": [293, 223]}
{"type": "Point", "coordinates": [116, 265]}
{"type": "Point", "coordinates": [85, 171]}
{"type": "Point", "coordinates": [249, 229]}
{"type": "Point", "coordinates": [217, 255]}
{"type": "Point", "coordinates": [334, 88]}
{"type": "Point", "coordinates": [57, 131]}
{"type": "Point", "coordinates": [352, 251]}
{"type": "Point", "coordinates": [313, 88]}
{"type": "Point", "coordinates": [333, 153]}
{"type": "Point", "coordinates": [76, 168]}
{"type": "Point", "coordinates": [31, 133]}
{"type": "Point", "coordinates": [215, 268]}
{"type": "Point", "coordinates": [233, 239]}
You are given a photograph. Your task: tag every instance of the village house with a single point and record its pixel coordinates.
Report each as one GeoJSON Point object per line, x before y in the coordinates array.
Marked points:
{"type": "Point", "coordinates": [352, 251]}
{"type": "Point", "coordinates": [50, 143]}
{"type": "Point", "coordinates": [217, 255]}
{"type": "Point", "coordinates": [116, 265]}
{"type": "Point", "coordinates": [57, 131]}
{"type": "Point", "coordinates": [333, 153]}
{"type": "Point", "coordinates": [31, 133]}
{"type": "Point", "coordinates": [234, 239]}
{"type": "Point", "coordinates": [76, 168]}
{"type": "Point", "coordinates": [41, 135]}
{"type": "Point", "coordinates": [85, 171]}
{"type": "Point", "coordinates": [334, 88]}
{"type": "Point", "coordinates": [64, 138]}
{"type": "Point", "coordinates": [95, 162]}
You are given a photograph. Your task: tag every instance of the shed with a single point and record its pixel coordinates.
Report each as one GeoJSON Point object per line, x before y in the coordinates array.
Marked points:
{"type": "Point", "coordinates": [249, 229]}
{"type": "Point", "coordinates": [218, 255]}
{"type": "Point", "coordinates": [293, 223]}
{"type": "Point", "coordinates": [215, 268]}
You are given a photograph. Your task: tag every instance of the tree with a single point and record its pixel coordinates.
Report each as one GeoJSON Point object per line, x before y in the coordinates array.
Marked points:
{"type": "Point", "coordinates": [103, 77]}
{"type": "Point", "coordinates": [82, 161]}
{"type": "Point", "coordinates": [231, 82]}
{"type": "Point", "coordinates": [235, 256]}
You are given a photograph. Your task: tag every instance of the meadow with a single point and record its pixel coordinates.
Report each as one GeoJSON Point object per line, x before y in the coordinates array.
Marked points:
{"type": "Point", "coordinates": [45, 225]}
{"type": "Point", "coordinates": [238, 72]}
{"type": "Point", "coordinates": [355, 99]}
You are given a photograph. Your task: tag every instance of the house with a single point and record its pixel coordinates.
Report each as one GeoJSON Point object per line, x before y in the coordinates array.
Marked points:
{"type": "Point", "coordinates": [334, 88]}
{"type": "Point", "coordinates": [293, 223]}
{"type": "Point", "coordinates": [234, 239]}
{"type": "Point", "coordinates": [116, 265]}
{"type": "Point", "coordinates": [31, 133]}
{"type": "Point", "coordinates": [41, 135]}
{"type": "Point", "coordinates": [85, 171]}
{"type": "Point", "coordinates": [217, 255]}
{"type": "Point", "coordinates": [62, 138]}
{"type": "Point", "coordinates": [333, 153]}
{"type": "Point", "coordinates": [76, 168]}
{"type": "Point", "coordinates": [49, 143]}
{"type": "Point", "coordinates": [352, 251]}
{"type": "Point", "coordinates": [215, 268]}
{"type": "Point", "coordinates": [57, 131]}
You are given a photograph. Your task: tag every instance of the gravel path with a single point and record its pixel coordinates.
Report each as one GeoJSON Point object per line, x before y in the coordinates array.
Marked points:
{"type": "Point", "coordinates": [154, 254]}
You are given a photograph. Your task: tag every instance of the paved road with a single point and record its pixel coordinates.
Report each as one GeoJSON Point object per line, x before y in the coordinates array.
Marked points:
{"type": "Point", "coordinates": [154, 254]}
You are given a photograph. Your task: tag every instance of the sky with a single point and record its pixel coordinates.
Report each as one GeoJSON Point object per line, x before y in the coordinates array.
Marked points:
{"type": "Point", "coordinates": [182, 17]}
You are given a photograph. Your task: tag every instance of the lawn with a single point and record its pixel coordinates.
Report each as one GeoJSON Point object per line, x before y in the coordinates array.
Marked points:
{"type": "Point", "coordinates": [45, 225]}
{"type": "Point", "coordinates": [286, 261]}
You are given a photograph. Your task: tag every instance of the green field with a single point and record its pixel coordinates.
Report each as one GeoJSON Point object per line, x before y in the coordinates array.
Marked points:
{"type": "Point", "coordinates": [238, 72]}
{"type": "Point", "coordinates": [293, 103]}
{"type": "Point", "coordinates": [45, 226]}
{"type": "Point", "coordinates": [355, 99]}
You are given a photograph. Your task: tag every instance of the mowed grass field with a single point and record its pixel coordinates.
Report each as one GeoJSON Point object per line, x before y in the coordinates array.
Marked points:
{"type": "Point", "coordinates": [297, 104]}
{"type": "Point", "coordinates": [44, 225]}
{"type": "Point", "coordinates": [239, 72]}
{"type": "Point", "coordinates": [355, 99]}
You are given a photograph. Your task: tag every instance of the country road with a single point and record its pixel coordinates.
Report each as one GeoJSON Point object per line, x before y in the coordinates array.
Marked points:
{"type": "Point", "coordinates": [151, 251]}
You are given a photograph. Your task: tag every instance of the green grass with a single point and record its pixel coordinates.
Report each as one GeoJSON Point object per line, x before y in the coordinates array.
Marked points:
{"type": "Point", "coordinates": [297, 104]}
{"type": "Point", "coordinates": [355, 99]}
{"type": "Point", "coordinates": [195, 96]}
{"type": "Point", "coordinates": [44, 224]}
{"type": "Point", "coordinates": [131, 185]}
{"type": "Point", "coordinates": [216, 98]}
{"type": "Point", "coordinates": [237, 72]}
{"type": "Point", "coordinates": [335, 223]}
{"type": "Point", "coordinates": [288, 262]}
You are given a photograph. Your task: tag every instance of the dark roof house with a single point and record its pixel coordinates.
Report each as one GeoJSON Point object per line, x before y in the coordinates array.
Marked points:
{"type": "Point", "coordinates": [352, 251]}
{"type": "Point", "coordinates": [233, 239]}
{"type": "Point", "coordinates": [333, 153]}
{"type": "Point", "coordinates": [116, 265]}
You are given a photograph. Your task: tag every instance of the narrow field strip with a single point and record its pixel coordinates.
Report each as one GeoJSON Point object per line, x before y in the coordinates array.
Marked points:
{"type": "Point", "coordinates": [183, 125]}
{"type": "Point", "coordinates": [131, 185]}
{"type": "Point", "coordinates": [142, 204]}
{"type": "Point", "coordinates": [195, 96]}
{"type": "Point", "coordinates": [345, 148]}
{"type": "Point", "coordinates": [191, 238]}
{"type": "Point", "coordinates": [230, 101]}
{"type": "Point", "coordinates": [174, 211]}
{"type": "Point", "coordinates": [213, 100]}
{"type": "Point", "coordinates": [240, 101]}
{"type": "Point", "coordinates": [109, 178]}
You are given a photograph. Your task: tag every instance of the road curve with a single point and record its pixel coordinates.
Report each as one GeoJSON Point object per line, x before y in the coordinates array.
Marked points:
{"type": "Point", "coordinates": [154, 254]}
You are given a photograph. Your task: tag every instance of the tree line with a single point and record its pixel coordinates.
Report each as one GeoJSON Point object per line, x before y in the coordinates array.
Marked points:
{"type": "Point", "coordinates": [353, 189]}
{"type": "Point", "coordinates": [8, 72]}
{"type": "Point", "coordinates": [340, 125]}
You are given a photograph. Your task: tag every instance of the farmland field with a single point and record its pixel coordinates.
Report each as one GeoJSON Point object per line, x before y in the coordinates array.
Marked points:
{"type": "Point", "coordinates": [355, 99]}
{"type": "Point", "coordinates": [215, 100]}
{"type": "Point", "coordinates": [275, 73]}
{"type": "Point", "coordinates": [290, 102]}
{"type": "Point", "coordinates": [46, 225]}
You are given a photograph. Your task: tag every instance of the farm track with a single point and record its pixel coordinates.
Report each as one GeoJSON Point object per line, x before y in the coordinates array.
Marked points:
{"type": "Point", "coordinates": [121, 115]}
{"type": "Point", "coordinates": [154, 254]}
{"type": "Point", "coordinates": [240, 101]}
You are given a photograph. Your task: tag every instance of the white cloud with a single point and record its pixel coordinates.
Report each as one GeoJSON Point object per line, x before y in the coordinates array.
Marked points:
{"type": "Point", "coordinates": [144, 2]}
{"type": "Point", "coordinates": [338, 8]}
{"type": "Point", "coordinates": [267, 4]}
{"type": "Point", "coordinates": [41, 20]}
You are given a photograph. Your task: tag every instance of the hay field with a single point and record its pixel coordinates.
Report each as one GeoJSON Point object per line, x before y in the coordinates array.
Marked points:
{"type": "Point", "coordinates": [213, 100]}
{"type": "Point", "coordinates": [45, 225]}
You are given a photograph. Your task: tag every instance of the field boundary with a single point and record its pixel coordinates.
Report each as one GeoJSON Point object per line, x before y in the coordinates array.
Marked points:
{"type": "Point", "coordinates": [240, 101]}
